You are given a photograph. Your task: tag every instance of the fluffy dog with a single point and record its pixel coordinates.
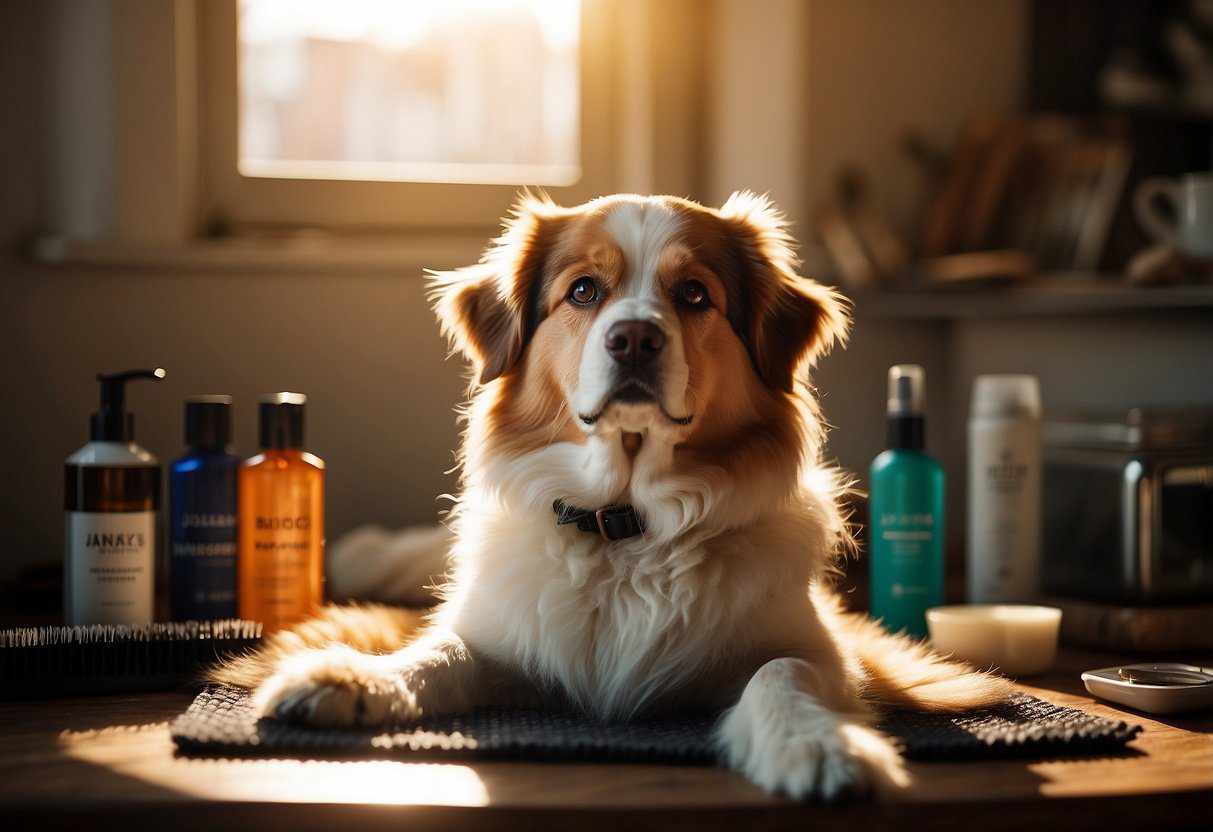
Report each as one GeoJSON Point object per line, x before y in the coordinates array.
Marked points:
{"type": "Point", "coordinates": [644, 521]}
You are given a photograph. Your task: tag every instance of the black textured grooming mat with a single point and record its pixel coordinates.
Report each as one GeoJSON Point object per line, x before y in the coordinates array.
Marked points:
{"type": "Point", "coordinates": [42, 662]}
{"type": "Point", "coordinates": [1027, 727]}
{"type": "Point", "coordinates": [221, 722]}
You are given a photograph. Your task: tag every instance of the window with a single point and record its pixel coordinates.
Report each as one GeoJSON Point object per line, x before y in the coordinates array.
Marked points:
{"type": "Point", "coordinates": [473, 91]}
{"type": "Point", "coordinates": [406, 113]}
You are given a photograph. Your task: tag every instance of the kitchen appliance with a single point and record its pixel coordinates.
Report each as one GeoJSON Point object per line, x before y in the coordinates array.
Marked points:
{"type": "Point", "coordinates": [1128, 507]}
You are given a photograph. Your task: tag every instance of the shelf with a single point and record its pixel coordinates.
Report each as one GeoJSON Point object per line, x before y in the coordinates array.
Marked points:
{"type": "Point", "coordinates": [301, 253]}
{"type": "Point", "coordinates": [1043, 297]}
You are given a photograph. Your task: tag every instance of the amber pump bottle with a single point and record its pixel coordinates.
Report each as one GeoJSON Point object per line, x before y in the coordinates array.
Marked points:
{"type": "Point", "coordinates": [111, 496]}
{"type": "Point", "coordinates": [281, 552]}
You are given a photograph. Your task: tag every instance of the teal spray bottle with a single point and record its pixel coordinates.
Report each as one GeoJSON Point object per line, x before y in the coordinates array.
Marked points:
{"type": "Point", "coordinates": [906, 508]}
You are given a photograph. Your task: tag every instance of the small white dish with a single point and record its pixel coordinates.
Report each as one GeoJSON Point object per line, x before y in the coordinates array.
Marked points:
{"type": "Point", "coordinates": [1015, 639]}
{"type": "Point", "coordinates": [1108, 683]}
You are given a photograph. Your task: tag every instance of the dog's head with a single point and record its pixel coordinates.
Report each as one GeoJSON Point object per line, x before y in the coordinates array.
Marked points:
{"type": "Point", "coordinates": [639, 315]}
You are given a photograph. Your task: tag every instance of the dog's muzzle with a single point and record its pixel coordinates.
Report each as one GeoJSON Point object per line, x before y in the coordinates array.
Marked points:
{"type": "Point", "coordinates": [638, 359]}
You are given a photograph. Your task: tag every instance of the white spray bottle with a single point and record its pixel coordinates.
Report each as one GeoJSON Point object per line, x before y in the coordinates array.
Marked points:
{"type": "Point", "coordinates": [1003, 551]}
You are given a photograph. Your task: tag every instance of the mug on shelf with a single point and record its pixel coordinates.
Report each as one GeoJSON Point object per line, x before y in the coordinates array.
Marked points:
{"type": "Point", "coordinates": [1189, 227]}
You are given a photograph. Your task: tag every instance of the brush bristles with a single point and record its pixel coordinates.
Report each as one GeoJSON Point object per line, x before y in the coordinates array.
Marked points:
{"type": "Point", "coordinates": [38, 662]}
{"type": "Point", "coordinates": [231, 628]}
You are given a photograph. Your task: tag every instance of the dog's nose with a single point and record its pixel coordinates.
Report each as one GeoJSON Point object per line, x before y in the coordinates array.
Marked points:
{"type": "Point", "coordinates": [634, 342]}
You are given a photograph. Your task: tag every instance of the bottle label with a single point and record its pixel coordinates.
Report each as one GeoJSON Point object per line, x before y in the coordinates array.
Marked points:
{"type": "Point", "coordinates": [281, 553]}
{"type": "Point", "coordinates": [203, 565]}
{"type": "Point", "coordinates": [282, 576]}
{"type": "Point", "coordinates": [909, 539]}
{"type": "Point", "coordinates": [906, 555]}
{"type": "Point", "coordinates": [110, 567]}
{"type": "Point", "coordinates": [1003, 541]}
{"type": "Point", "coordinates": [1007, 474]}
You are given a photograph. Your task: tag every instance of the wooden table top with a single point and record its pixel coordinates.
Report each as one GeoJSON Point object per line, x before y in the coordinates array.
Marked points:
{"type": "Point", "coordinates": [73, 761]}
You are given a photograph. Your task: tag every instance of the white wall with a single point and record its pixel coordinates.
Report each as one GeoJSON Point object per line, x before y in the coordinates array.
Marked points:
{"type": "Point", "coordinates": [1107, 361]}
{"type": "Point", "coordinates": [757, 79]}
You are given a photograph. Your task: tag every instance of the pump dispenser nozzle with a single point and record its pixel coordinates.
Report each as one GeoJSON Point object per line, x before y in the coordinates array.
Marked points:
{"type": "Point", "coordinates": [113, 423]}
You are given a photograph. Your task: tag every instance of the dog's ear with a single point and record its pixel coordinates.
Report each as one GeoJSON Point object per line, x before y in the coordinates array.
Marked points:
{"type": "Point", "coordinates": [490, 310]}
{"type": "Point", "coordinates": [786, 321]}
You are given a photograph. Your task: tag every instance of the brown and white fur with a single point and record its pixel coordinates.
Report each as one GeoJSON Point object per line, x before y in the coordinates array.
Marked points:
{"type": "Point", "coordinates": [724, 601]}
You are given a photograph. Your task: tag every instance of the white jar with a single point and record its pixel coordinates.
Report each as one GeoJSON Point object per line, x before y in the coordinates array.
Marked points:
{"type": "Point", "coordinates": [1003, 543]}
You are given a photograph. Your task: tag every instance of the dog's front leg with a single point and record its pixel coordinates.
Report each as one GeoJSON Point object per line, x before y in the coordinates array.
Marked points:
{"type": "Point", "coordinates": [784, 736]}
{"type": "Point", "coordinates": [340, 686]}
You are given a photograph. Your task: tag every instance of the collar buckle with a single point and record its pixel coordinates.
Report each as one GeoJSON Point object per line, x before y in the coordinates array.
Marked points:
{"type": "Point", "coordinates": [616, 522]}
{"type": "Point", "coordinates": [611, 523]}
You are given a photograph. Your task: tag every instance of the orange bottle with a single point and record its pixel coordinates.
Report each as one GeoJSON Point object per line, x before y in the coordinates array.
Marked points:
{"type": "Point", "coordinates": [281, 524]}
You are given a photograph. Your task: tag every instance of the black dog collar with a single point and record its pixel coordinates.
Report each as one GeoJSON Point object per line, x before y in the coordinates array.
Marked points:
{"type": "Point", "coordinates": [611, 522]}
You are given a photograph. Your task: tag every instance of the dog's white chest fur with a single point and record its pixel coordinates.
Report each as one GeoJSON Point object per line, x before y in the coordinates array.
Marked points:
{"type": "Point", "coordinates": [626, 627]}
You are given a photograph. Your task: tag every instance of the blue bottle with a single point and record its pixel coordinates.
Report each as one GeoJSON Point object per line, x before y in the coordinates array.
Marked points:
{"type": "Point", "coordinates": [906, 513]}
{"type": "Point", "coordinates": [202, 514]}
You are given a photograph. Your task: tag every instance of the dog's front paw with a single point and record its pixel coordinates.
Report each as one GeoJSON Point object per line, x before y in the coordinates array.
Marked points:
{"type": "Point", "coordinates": [795, 747]}
{"type": "Point", "coordinates": [336, 687]}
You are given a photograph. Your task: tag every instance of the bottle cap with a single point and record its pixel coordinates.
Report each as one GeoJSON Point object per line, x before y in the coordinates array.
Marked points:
{"type": "Point", "coordinates": [997, 396]}
{"type": "Point", "coordinates": [907, 390]}
{"type": "Point", "coordinates": [113, 423]}
{"type": "Point", "coordinates": [281, 419]}
{"type": "Point", "coordinates": [208, 421]}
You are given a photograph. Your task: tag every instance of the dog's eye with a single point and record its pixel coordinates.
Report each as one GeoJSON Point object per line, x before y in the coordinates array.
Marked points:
{"type": "Point", "coordinates": [584, 291]}
{"type": "Point", "coordinates": [694, 294]}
